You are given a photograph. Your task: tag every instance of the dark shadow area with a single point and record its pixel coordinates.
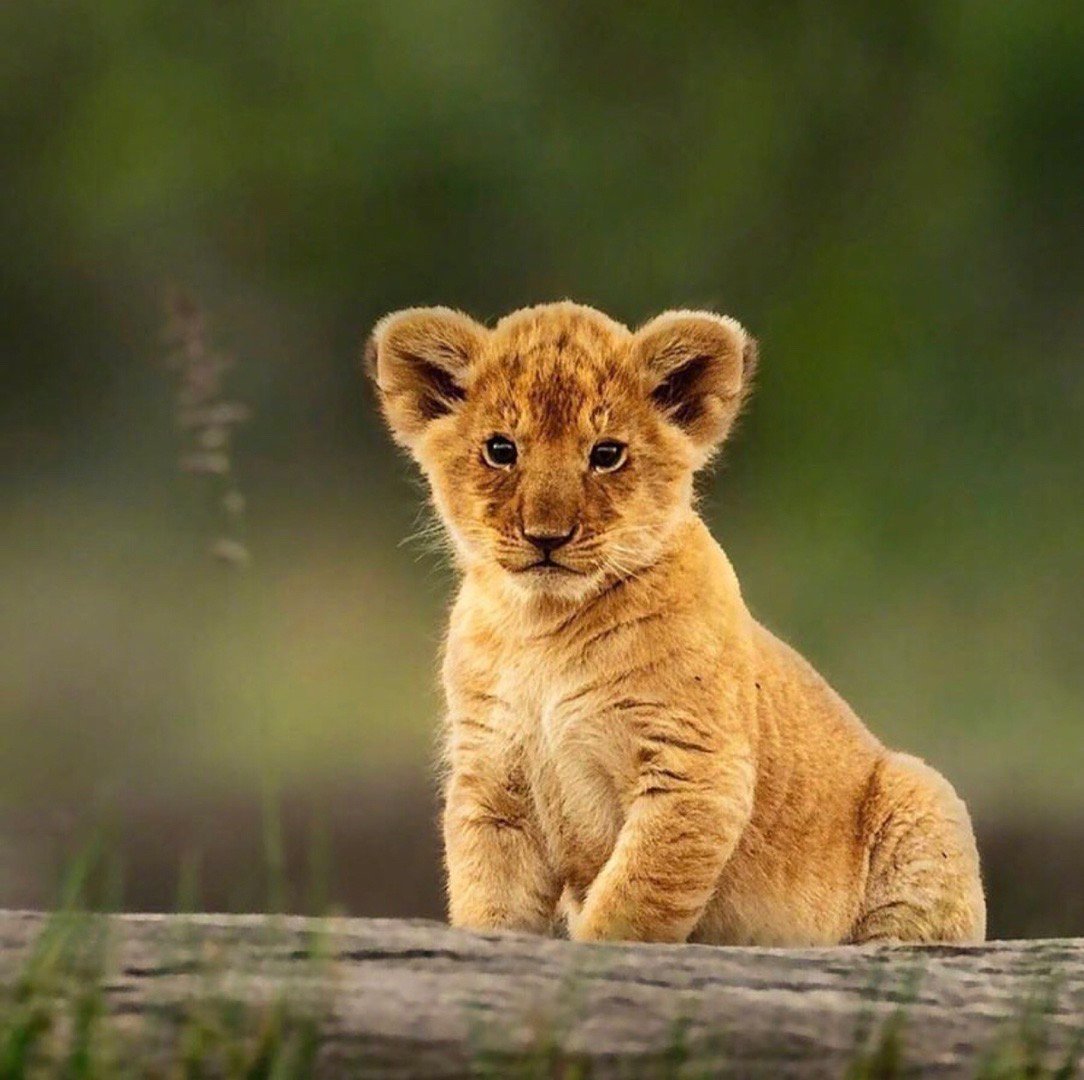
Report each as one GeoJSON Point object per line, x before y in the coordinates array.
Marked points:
{"type": "Point", "coordinates": [375, 851]}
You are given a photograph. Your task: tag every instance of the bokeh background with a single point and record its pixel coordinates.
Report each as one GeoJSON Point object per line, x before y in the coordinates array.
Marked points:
{"type": "Point", "coordinates": [889, 196]}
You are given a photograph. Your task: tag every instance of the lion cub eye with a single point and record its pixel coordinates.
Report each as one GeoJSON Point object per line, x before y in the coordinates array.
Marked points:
{"type": "Point", "coordinates": [499, 452]}
{"type": "Point", "coordinates": [608, 455]}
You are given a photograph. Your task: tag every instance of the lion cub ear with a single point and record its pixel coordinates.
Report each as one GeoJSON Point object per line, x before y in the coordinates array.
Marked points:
{"type": "Point", "coordinates": [419, 359]}
{"type": "Point", "coordinates": [699, 369]}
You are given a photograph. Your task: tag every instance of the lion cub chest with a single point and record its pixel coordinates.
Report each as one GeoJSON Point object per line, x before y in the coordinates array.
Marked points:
{"type": "Point", "coordinates": [576, 760]}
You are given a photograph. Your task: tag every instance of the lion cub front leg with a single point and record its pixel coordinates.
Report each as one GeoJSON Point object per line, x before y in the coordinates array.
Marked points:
{"type": "Point", "coordinates": [498, 875]}
{"type": "Point", "coordinates": [692, 801]}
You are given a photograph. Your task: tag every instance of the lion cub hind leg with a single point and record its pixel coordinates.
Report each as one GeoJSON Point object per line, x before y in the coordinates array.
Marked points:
{"type": "Point", "coordinates": [923, 883]}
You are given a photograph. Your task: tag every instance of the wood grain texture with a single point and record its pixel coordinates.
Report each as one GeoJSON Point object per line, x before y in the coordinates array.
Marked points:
{"type": "Point", "coordinates": [394, 998]}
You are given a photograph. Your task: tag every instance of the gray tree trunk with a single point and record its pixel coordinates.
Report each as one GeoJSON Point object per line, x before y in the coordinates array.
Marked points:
{"type": "Point", "coordinates": [371, 997]}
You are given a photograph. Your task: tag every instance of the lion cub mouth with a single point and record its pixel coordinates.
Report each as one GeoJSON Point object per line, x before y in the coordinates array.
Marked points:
{"type": "Point", "coordinates": [545, 567]}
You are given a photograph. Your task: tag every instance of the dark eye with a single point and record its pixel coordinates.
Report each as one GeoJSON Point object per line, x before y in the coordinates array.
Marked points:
{"type": "Point", "coordinates": [499, 452]}
{"type": "Point", "coordinates": [608, 456]}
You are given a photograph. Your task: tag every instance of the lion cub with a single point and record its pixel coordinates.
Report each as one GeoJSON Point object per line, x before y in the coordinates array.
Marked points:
{"type": "Point", "coordinates": [626, 746]}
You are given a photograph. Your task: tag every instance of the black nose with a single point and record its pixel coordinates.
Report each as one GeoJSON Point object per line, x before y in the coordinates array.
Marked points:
{"type": "Point", "coordinates": [548, 543]}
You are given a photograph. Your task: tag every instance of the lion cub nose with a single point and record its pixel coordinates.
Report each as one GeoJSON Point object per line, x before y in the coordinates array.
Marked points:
{"type": "Point", "coordinates": [548, 542]}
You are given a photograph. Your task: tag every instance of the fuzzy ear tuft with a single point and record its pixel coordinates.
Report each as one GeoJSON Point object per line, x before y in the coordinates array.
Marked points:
{"type": "Point", "coordinates": [419, 358]}
{"type": "Point", "coordinates": [699, 369]}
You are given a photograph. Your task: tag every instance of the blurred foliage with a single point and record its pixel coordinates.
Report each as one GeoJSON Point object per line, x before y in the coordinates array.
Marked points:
{"type": "Point", "coordinates": [888, 196]}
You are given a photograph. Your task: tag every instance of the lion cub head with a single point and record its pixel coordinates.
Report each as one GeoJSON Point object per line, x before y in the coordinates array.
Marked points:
{"type": "Point", "coordinates": [560, 446]}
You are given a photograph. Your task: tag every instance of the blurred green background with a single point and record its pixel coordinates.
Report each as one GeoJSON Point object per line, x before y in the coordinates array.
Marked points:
{"type": "Point", "coordinates": [888, 196]}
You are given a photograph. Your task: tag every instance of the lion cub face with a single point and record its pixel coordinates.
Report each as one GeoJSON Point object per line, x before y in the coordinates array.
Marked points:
{"type": "Point", "coordinates": [560, 446]}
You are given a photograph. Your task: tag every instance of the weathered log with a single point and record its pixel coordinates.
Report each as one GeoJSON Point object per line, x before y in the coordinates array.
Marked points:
{"type": "Point", "coordinates": [416, 999]}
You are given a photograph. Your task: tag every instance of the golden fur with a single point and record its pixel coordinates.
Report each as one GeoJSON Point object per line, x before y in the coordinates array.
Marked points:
{"type": "Point", "coordinates": [626, 746]}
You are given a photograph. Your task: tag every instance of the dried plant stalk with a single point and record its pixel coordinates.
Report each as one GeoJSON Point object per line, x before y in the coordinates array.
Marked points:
{"type": "Point", "coordinates": [207, 420]}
